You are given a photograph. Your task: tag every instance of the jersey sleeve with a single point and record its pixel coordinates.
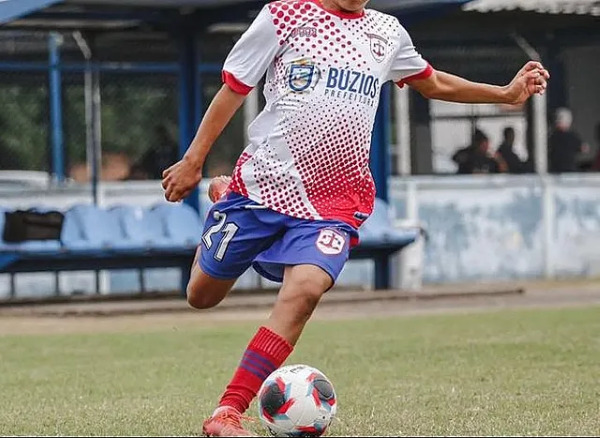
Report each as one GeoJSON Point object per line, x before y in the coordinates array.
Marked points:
{"type": "Point", "coordinates": [408, 64]}
{"type": "Point", "coordinates": [251, 56]}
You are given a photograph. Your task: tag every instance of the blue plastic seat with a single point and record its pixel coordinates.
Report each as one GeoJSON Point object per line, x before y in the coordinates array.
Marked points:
{"type": "Point", "coordinates": [141, 228]}
{"type": "Point", "coordinates": [379, 228]}
{"type": "Point", "coordinates": [182, 224]}
{"type": "Point", "coordinates": [378, 225]}
{"type": "Point", "coordinates": [93, 228]}
{"type": "Point", "coordinates": [72, 235]}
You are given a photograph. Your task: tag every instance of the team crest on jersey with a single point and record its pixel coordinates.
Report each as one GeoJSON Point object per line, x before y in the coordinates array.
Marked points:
{"type": "Point", "coordinates": [302, 76]}
{"type": "Point", "coordinates": [331, 242]}
{"type": "Point", "coordinates": [378, 46]}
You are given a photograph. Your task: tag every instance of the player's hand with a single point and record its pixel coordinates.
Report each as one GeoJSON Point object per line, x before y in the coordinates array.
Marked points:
{"type": "Point", "coordinates": [531, 79]}
{"type": "Point", "coordinates": [181, 179]}
{"type": "Point", "coordinates": [218, 187]}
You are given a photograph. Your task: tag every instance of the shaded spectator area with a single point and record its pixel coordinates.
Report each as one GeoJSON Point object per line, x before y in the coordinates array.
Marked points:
{"type": "Point", "coordinates": [488, 41]}
{"type": "Point", "coordinates": [56, 61]}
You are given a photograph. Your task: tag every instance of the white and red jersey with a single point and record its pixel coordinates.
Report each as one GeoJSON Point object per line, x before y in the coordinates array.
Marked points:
{"type": "Point", "coordinates": [308, 155]}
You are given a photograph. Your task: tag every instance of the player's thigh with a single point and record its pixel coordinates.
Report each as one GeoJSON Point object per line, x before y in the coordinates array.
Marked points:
{"type": "Point", "coordinates": [323, 244]}
{"type": "Point", "coordinates": [204, 291]}
{"type": "Point", "coordinates": [232, 237]}
{"type": "Point", "coordinates": [311, 257]}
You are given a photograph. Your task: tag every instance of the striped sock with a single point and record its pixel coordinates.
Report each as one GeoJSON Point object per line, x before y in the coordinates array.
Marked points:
{"type": "Point", "coordinates": [265, 353]}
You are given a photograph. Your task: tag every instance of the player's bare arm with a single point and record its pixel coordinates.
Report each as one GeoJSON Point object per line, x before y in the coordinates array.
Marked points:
{"type": "Point", "coordinates": [531, 79]}
{"type": "Point", "coordinates": [180, 179]}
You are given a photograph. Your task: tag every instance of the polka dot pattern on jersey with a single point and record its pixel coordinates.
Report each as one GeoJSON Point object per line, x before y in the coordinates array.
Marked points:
{"type": "Point", "coordinates": [314, 163]}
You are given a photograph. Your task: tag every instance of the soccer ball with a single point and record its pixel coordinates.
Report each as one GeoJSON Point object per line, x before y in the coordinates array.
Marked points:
{"type": "Point", "coordinates": [297, 400]}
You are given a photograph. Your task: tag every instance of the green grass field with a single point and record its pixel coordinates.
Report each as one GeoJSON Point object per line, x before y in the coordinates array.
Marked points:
{"type": "Point", "coordinates": [528, 372]}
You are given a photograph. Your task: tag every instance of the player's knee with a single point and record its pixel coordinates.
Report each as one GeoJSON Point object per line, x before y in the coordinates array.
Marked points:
{"type": "Point", "coordinates": [305, 293]}
{"type": "Point", "coordinates": [201, 299]}
{"type": "Point", "coordinates": [205, 292]}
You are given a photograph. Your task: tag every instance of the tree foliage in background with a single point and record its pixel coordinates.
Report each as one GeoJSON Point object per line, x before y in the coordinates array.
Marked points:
{"type": "Point", "coordinates": [24, 126]}
{"type": "Point", "coordinates": [139, 121]}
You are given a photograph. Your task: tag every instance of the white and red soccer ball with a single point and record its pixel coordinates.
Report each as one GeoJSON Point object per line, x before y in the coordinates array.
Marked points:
{"type": "Point", "coordinates": [297, 400]}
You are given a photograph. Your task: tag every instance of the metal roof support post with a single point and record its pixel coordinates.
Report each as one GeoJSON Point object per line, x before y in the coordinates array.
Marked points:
{"type": "Point", "coordinates": [540, 124]}
{"type": "Point", "coordinates": [190, 111]}
{"type": "Point", "coordinates": [402, 105]}
{"type": "Point", "coordinates": [93, 113]}
{"type": "Point", "coordinates": [56, 109]}
{"type": "Point", "coordinates": [540, 111]}
{"type": "Point", "coordinates": [380, 168]}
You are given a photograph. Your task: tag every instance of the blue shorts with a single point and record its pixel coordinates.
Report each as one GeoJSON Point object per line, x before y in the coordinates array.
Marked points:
{"type": "Point", "coordinates": [239, 233]}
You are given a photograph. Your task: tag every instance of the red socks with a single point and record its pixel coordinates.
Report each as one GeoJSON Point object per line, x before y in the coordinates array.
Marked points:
{"type": "Point", "coordinates": [265, 353]}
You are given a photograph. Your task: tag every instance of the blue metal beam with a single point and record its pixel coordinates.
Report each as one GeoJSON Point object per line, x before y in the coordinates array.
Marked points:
{"type": "Point", "coordinates": [380, 156]}
{"type": "Point", "coordinates": [56, 116]}
{"type": "Point", "coordinates": [107, 15]}
{"type": "Point", "coordinates": [108, 67]}
{"type": "Point", "coordinates": [380, 169]}
{"type": "Point", "coordinates": [189, 101]}
{"type": "Point", "coordinates": [13, 9]}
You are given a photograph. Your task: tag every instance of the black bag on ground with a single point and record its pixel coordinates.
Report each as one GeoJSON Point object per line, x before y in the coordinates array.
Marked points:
{"type": "Point", "coordinates": [23, 225]}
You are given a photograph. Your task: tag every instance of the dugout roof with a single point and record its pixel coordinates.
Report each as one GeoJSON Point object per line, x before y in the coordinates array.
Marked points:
{"type": "Point", "coordinates": [580, 7]}
{"type": "Point", "coordinates": [568, 21]}
{"type": "Point", "coordinates": [131, 14]}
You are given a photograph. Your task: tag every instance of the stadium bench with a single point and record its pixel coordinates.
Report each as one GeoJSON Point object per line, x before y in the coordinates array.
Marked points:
{"type": "Point", "coordinates": [162, 236]}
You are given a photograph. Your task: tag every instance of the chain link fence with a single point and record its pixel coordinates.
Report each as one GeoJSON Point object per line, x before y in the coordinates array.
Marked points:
{"type": "Point", "coordinates": [24, 122]}
{"type": "Point", "coordinates": [139, 108]}
{"type": "Point", "coordinates": [138, 125]}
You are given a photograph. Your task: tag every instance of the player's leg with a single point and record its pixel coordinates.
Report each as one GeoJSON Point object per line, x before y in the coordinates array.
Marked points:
{"type": "Point", "coordinates": [204, 291]}
{"type": "Point", "coordinates": [311, 258]}
{"type": "Point", "coordinates": [303, 287]}
{"type": "Point", "coordinates": [232, 236]}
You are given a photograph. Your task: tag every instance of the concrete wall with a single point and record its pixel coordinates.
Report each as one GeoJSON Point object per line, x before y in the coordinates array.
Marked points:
{"type": "Point", "coordinates": [480, 229]}
{"type": "Point", "coordinates": [506, 228]}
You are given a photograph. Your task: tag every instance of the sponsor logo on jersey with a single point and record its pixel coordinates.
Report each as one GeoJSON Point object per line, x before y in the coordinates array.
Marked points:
{"type": "Point", "coordinates": [378, 46]}
{"type": "Point", "coordinates": [352, 85]}
{"type": "Point", "coordinates": [303, 75]}
{"type": "Point", "coordinates": [331, 242]}
{"type": "Point", "coordinates": [304, 32]}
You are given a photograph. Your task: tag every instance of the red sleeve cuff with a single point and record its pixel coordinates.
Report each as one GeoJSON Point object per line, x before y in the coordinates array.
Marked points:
{"type": "Point", "coordinates": [426, 73]}
{"type": "Point", "coordinates": [235, 84]}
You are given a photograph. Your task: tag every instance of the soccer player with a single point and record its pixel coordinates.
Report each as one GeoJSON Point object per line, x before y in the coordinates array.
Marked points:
{"type": "Point", "coordinates": [302, 187]}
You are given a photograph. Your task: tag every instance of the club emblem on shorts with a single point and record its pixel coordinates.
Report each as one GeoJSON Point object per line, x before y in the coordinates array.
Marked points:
{"type": "Point", "coordinates": [302, 75]}
{"type": "Point", "coordinates": [378, 46]}
{"type": "Point", "coordinates": [331, 242]}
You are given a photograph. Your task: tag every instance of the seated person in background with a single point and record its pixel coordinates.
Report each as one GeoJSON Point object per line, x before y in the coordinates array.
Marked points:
{"type": "Point", "coordinates": [462, 159]}
{"type": "Point", "coordinates": [506, 152]}
{"type": "Point", "coordinates": [564, 144]}
{"type": "Point", "coordinates": [476, 158]}
{"type": "Point", "coordinates": [159, 155]}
